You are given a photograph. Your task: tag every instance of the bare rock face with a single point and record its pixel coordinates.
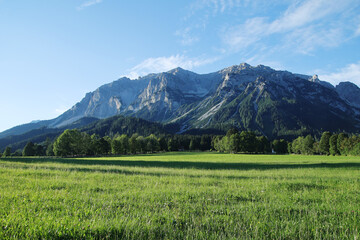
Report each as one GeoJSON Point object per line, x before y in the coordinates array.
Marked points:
{"type": "Point", "coordinates": [349, 92]}
{"type": "Point", "coordinates": [315, 79]}
{"type": "Point", "coordinates": [108, 100]}
{"type": "Point", "coordinates": [250, 97]}
{"type": "Point", "coordinates": [258, 98]}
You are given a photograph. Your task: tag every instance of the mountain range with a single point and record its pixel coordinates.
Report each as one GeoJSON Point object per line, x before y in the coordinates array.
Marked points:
{"type": "Point", "coordinates": [278, 104]}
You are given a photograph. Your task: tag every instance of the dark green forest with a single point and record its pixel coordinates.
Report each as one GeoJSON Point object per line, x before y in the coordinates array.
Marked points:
{"type": "Point", "coordinates": [73, 142]}
{"type": "Point", "coordinates": [120, 135]}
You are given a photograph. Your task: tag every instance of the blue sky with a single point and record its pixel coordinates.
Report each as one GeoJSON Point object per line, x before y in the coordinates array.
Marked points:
{"type": "Point", "coordinates": [53, 52]}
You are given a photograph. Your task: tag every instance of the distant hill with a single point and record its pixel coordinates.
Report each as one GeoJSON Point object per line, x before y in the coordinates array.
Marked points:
{"type": "Point", "coordinates": [102, 127]}
{"type": "Point", "coordinates": [127, 125]}
{"type": "Point", "coordinates": [17, 130]}
{"type": "Point", "coordinates": [40, 134]}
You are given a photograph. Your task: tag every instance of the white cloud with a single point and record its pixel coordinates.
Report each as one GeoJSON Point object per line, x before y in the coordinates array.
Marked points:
{"type": "Point", "coordinates": [216, 6]}
{"type": "Point", "coordinates": [349, 73]}
{"type": "Point", "coordinates": [245, 35]}
{"type": "Point", "coordinates": [309, 11]}
{"type": "Point", "coordinates": [88, 4]}
{"type": "Point", "coordinates": [308, 25]}
{"type": "Point", "coordinates": [200, 13]}
{"type": "Point", "coordinates": [186, 37]}
{"type": "Point", "coordinates": [357, 32]}
{"type": "Point", "coordinates": [306, 40]}
{"type": "Point", "coordinates": [162, 64]}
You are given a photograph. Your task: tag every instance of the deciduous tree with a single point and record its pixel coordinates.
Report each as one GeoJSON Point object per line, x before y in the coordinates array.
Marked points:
{"type": "Point", "coordinates": [324, 143]}
{"type": "Point", "coordinates": [308, 145]}
{"type": "Point", "coordinates": [333, 145]}
{"type": "Point", "coordinates": [68, 143]}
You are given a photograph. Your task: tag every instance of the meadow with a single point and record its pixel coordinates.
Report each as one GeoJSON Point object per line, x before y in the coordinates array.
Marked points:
{"type": "Point", "coordinates": [181, 196]}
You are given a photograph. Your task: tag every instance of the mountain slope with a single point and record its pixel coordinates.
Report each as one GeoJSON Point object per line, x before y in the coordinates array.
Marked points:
{"type": "Point", "coordinates": [39, 135]}
{"type": "Point", "coordinates": [24, 128]}
{"type": "Point", "coordinates": [102, 127]}
{"type": "Point", "coordinates": [274, 103]}
{"type": "Point", "coordinates": [350, 93]}
{"type": "Point", "coordinates": [125, 125]}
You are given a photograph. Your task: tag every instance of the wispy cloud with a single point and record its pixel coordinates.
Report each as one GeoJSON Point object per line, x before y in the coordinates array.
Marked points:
{"type": "Point", "coordinates": [199, 15]}
{"type": "Point", "coordinates": [306, 40]}
{"type": "Point", "coordinates": [187, 38]}
{"type": "Point", "coordinates": [88, 4]}
{"type": "Point", "coordinates": [217, 6]}
{"type": "Point", "coordinates": [308, 12]}
{"type": "Point", "coordinates": [303, 27]}
{"type": "Point", "coordinates": [244, 35]}
{"type": "Point", "coordinates": [349, 73]}
{"type": "Point", "coordinates": [162, 64]}
{"type": "Point", "coordinates": [357, 32]}
{"type": "Point", "coordinates": [223, 5]}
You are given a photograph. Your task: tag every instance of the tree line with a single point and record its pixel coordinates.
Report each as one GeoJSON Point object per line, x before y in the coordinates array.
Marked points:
{"type": "Point", "coordinates": [76, 143]}
{"type": "Point", "coordinates": [328, 144]}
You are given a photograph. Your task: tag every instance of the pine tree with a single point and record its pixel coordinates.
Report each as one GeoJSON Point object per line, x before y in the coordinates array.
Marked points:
{"type": "Point", "coordinates": [29, 149]}
{"type": "Point", "coordinates": [172, 146]}
{"type": "Point", "coordinates": [7, 152]}
{"type": "Point", "coordinates": [163, 144]}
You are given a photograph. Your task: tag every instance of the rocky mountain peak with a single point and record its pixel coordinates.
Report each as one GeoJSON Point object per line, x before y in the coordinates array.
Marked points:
{"type": "Point", "coordinates": [314, 78]}
{"type": "Point", "coordinates": [177, 70]}
{"type": "Point", "coordinates": [245, 68]}
{"type": "Point", "coordinates": [252, 98]}
{"type": "Point", "coordinates": [347, 85]}
{"type": "Point", "coordinates": [182, 73]}
{"type": "Point", "coordinates": [349, 92]}
{"type": "Point", "coordinates": [244, 65]}
{"type": "Point", "coordinates": [264, 68]}
{"type": "Point", "coordinates": [236, 68]}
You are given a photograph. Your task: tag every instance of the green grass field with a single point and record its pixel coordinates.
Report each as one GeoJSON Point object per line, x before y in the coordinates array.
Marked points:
{"type": "Point", "coordinates": [181, 195]}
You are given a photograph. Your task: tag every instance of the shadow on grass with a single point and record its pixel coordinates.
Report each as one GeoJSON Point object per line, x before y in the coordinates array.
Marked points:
{"type": "Point", "coordinates": [185, 164]}
{"type": "Point", "coordinates": [131, 173]}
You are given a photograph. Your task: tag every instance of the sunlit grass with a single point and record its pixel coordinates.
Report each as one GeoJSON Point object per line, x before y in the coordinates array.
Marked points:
{"type": "Point", "coordinates": [181, 195]}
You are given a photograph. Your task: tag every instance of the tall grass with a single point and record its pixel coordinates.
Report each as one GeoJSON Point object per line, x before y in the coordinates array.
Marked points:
{"type": "Point", "coordinates": [179, 196]}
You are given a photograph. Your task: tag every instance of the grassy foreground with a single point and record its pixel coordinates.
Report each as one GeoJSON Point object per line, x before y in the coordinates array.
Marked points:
{"type": "Point", "coordinates": [181, 195]}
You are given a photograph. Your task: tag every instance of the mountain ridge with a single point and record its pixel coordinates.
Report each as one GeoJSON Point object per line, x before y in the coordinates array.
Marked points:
{"type": "Point", "coordinates": [251, 98]}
